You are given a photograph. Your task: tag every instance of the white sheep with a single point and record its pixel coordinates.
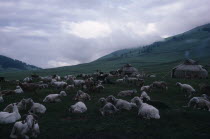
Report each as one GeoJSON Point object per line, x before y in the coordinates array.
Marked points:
{"type": "Point", "coordinates": [127, 93]}
{"type": "Point", "coordinates": [22, 105]}
{"type": "Point", "coordinates": [79, 107]}
{"type": "Point", "coordinates": [120, 80]}
{"type": "Point", "coordinates": [7, 118]}
{"type": "Point", "coordinates": [1, 98]}
{"type": "Point", "coordinates": [59, 84]}
{"type": "Point", "coordinates": [107, 107]}
{"type": "Point", "coordinates": [55, 97]}
{"type": "Point", "coordinates": [199, 102]}
{"type": "Point", "coordinates": [37, 108]}
{"type": "Point", "coordinates": [120, 103]}
{"type": "Point", "coordinates": [186, 88]}
{"type": "Point", "coordinates": [146, 88]}
{"type": "Point", "coordinates": [82, 96]}
{"type": "Point", "coordinates": [26, 128]}
{"type": "Point", "coordinates": [69, 87]}
{"type": "Point", "coordinates": [27, 79]}
{"type": "Point", "coordinates": [145, 110]}
{"type": "Point", "coordinates": [144, 96]}
{"type": "Point", "coordinates": [18, 90]}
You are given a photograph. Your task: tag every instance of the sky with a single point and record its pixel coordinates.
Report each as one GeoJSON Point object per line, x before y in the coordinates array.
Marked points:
{"type": "Point", "coordinates": [54, 33]}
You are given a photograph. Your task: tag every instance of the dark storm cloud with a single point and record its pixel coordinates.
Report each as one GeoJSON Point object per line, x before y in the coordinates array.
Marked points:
{"type": "Point", "coordinates": [66, 32]}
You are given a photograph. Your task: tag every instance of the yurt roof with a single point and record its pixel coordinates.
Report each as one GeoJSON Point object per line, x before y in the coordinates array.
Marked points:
{"type": "Point", "coordinates": [190, 65]}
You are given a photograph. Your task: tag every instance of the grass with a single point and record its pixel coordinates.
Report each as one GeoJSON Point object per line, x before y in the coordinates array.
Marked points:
{"type": "Point", "coordinates": [57, 122]}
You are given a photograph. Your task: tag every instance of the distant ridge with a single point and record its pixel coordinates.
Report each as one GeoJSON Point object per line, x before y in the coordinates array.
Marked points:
{"type": "Point", "coordinates": [9, 64]}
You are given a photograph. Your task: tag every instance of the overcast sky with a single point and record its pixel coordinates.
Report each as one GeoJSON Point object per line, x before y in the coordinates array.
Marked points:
{"type": "Point", "coordinates": [53, 33]}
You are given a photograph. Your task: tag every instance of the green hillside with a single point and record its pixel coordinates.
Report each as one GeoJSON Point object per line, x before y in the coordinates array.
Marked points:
{"type": "Point", "coordinates": [158, 57]}
{"type": "Point", "coordinates": [8, 64]}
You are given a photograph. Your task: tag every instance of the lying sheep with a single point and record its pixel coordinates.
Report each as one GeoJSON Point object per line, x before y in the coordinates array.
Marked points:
{"type": "Point", "coordinates": [55, 97]}
{"type": "Point", "coordinates": [27, 79]}
{"type": "Point", "coordinates": [8, 118]}
{"type": "Point", "coordinates": [160, 85]}
{"type": "Point", "coordinates": [144, 96]}
{"type": "Point", "coordinates": [59, 84]}
{"type": "Point", "coordinates": [146, 88]}
{"type": "Point", "coordinates": [127, 93]}
{"type": "Point", "coordinates": [70, 87]}
{"type": "Point", "coordinates": [82, 96]}
{"type": "Point", "coordinates": [18, 90]}
{"type": "Point", "coordinates": [107, 107]}
{"type": "Point", "coordinates": [43, 86]}
{"type": "Point", "coordinates": [120, 104]}
{"type": "Point", "coordinates": [186, 88]}
{"type": "Point", "coordinates": [37, 108]}
{"type": "Point", "coordinates": [79, 107]}
{"type": "Point", "coordinates": [26, 128]}
{"type": "Point", "coordinates": [120, 80]}
{"type": "Point", "coordinates": [199, 102]}
{"type": "Point", "coordinates": [145, 110]}
{"type": "Point", "coordinates": [22, 105]}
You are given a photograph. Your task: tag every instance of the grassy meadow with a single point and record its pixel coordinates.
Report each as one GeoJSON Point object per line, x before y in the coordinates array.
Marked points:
{"type": "Point", "coordinates": [176, 122]}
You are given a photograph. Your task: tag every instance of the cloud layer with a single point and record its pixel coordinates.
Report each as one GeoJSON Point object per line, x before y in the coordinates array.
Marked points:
{"type": "Point", "coordinates": [66, 32]}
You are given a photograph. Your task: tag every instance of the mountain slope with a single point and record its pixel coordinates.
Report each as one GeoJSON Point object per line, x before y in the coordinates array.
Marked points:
{"type": "Point", "coordinates": [159, 57]}
{"type": "Point", "coordinates": [8, 64]}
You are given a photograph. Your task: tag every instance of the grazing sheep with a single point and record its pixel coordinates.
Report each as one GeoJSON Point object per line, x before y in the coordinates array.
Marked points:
{"type": "Point", "coordinates": [18, 90]}
{"type": "Point", "coordinates": [7, 118]}
{"type": "Point", "coordinates": [199, 102]}
{"type": "Point", "coordinates": [79, 107]}
{"type": "Point", "coordinates": [127, 93]}
{"type": "Point", "coordinates": [120, 104]}
{"type": "Point", "coordinates": [82, 96]}
{"type": "Point", "coordinates": [107, 107]}
{"type": "Point", "coordinates": [146, 88]}
{"type": "Point", "coordinates": [30, 87]}
{"type": "Point", "coordinates": [37, 108]}
{"type": "Point", "coordinates": [186, 88]}
{"type": "Point", "coordinates": [26, 128]}
{"type": "Point", "coordinates": [144, 96]}
{"type": "Point", "coordinates": [160, 85]}
{"type": "Point", "coordinates": [55, 97]}
{"type": "Point", "coordinates": [145, 110]}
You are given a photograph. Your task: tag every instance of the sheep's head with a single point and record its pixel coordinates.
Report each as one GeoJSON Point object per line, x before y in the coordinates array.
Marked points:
{"type": "Point", "coordinates": [30, 119]}
{"type": "Point", "coordinates": [15, 108]}
{"type": "Point", "coordinates": [63, 93]}
{"type": "Point", "coordinates": [137, 101]}
{"type": "Point", "coordinates": [178, 84]}
{"type": "Point", "coordinates": [102, 101]}
{"type": "Point", "coordinates": [111, 99]}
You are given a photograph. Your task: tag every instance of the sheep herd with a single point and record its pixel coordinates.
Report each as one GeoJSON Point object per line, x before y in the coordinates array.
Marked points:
{"type": "Point", "coordinates": [146, 107]}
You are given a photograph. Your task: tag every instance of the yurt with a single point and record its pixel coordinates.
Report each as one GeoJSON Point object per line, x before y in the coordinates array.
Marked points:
{"type": "Point", "coordinates": [128, 70]}
{"type": "Point", "coordinates": [189, 69]}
